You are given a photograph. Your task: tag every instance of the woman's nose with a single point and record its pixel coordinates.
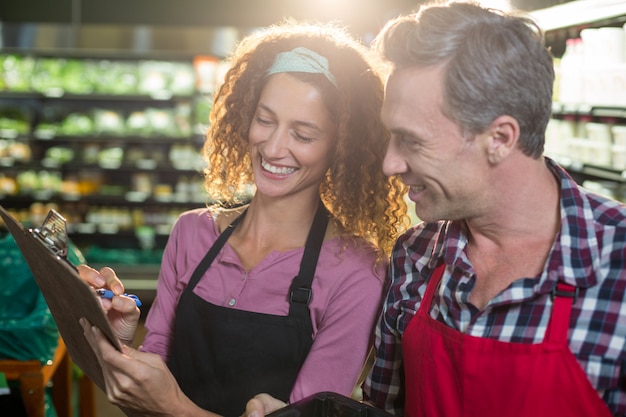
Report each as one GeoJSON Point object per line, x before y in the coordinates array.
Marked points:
{"type": "Point", "coordinates": [277, 142]}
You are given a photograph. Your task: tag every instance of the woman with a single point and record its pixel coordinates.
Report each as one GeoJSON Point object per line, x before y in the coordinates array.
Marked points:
{"type": "Point", "coordinates": [298, 117]}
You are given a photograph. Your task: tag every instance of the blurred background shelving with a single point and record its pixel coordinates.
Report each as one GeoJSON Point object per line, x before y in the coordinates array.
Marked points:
{"type": "Point", "coordinates": [112, 143]}
{"type": "Point", "coordinates": [103, 106]}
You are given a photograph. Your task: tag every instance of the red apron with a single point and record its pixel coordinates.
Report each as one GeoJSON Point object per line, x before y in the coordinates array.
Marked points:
{"type": "Point", "coordinates": [450, 374]}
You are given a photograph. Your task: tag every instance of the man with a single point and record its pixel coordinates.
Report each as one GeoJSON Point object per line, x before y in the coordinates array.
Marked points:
{"type": "Point", "coordinates": [522, 271]}
{"type": "Point", "coordinates": [507, 300]}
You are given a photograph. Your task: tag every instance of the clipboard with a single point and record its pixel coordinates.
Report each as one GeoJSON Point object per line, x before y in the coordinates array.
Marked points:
{"type": "Point", "coordinates": [68, 297]}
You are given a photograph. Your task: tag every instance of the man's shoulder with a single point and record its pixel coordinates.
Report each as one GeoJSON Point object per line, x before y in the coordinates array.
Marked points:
{"type": "Point", "coordinates": [607, 211]}
{"type": "Point", "coordinates": [422, 237]}
{"type": "Point", "coordinates": [424, 230]}
{"type": "Point", "coordinates": [575, 199]}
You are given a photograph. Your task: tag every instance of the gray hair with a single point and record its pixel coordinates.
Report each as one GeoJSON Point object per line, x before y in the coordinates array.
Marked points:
{"type": "Point", "coordinates": [496, 64]}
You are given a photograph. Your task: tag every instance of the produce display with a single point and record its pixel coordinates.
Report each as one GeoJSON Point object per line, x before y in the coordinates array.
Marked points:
{"type": "Point", "coordinates": [16, 72]}
{"type": "Point", "coordinates": [114, 142]}
{"type": "Point", "coordinates": [57, 76]}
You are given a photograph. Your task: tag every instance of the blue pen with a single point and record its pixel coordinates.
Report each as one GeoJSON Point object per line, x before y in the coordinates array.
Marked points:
{"type": "Point", "coordinates": [109, 294]}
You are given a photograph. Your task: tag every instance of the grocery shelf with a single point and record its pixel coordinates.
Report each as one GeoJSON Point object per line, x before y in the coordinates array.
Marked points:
{"type": "Point", "coordinates": [102, 199]}
{"type": "Point", "coordinates": [590, 171]}
{"type": "Point", "coordinates": [589, 110]}
{"type": "Point", "coordinates": [579, 12]}
{"type": "Point", "coordinates": [51, 95]}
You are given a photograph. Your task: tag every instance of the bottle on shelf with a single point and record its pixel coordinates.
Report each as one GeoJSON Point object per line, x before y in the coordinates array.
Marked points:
{"type": "Point", "coordinates": [570, 76]}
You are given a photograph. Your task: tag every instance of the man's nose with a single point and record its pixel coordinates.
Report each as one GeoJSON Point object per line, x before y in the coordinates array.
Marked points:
{"type": "Point", "coordinates": [394, 162]}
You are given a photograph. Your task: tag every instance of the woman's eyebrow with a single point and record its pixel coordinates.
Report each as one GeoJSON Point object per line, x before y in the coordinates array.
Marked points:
{"type": "Point", "coordinates": [304, 123]}
{"type": "Point", "coordinates": [264, 107]}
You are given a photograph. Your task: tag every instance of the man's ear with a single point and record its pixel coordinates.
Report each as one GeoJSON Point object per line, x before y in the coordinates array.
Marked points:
{"type": "Point", "coordinates": [503, 134]}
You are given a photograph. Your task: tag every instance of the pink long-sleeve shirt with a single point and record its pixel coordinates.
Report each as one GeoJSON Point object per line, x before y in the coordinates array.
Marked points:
{"type": "Point", "coordinates": [347, 291]}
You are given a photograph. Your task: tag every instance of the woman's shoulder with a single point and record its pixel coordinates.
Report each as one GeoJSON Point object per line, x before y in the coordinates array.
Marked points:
{"type": "Point", "coordinates": [195, 221]}
{"type": "Point", "coordinates": [354, 255]}
{"type": "Point", "coordinates": [194, 229]}
{"type": "Point", "coordinates": [202, 214]}
{"type": "Point", "coordinates": [225, 216]}
{"type": "Point", "coordinates": [209, 215]}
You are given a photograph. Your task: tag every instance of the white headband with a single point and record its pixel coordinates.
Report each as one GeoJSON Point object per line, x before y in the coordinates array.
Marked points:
{"type": "Point", "coordinates": [301, 60]}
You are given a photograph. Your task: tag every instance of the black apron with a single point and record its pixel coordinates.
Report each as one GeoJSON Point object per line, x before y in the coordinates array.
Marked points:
{"type": "Point", "coordinates": [222, 357]}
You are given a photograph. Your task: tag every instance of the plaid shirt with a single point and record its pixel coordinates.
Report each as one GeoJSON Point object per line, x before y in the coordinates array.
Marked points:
{"type": "Point", "coordinates": [589, 253]}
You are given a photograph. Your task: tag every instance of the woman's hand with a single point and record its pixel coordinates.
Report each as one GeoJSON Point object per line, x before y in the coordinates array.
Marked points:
{"type": "Point", "coordinates": [122, 312]}
{"type": "Point", "coordinates": [261, 405]}
{"type": "Point", "coordinates": [138, 381]}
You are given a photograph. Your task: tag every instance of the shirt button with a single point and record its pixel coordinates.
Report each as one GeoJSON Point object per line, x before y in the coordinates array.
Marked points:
{"type": "Point", "coordinates": [231, 302]}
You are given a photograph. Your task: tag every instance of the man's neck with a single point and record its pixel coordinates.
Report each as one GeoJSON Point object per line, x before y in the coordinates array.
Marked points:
{"type": "Point", "coordinates": [514, 239]}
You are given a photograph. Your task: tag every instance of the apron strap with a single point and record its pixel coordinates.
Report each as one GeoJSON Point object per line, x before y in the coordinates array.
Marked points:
{"type": "Point", "coordinates": [431, 287]}
{"type": "Point", "coordinates": [563, 296]}
{"type": "Point", "coordinates": [215, 249]}
{"type": "Point", "coordinates": [300, 292]}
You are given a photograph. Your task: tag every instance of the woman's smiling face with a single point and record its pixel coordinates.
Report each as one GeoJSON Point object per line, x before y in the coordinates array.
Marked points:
{"type": "Point", "coordinates": [292, 138]}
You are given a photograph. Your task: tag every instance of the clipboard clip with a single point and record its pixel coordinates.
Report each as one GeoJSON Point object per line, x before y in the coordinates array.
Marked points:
{"type": "Point", "coordinates": [53, 235]}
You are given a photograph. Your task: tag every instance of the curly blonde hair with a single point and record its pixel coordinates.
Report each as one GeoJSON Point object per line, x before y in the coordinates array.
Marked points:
{"type": "Point", "coordinates": [355, 190]}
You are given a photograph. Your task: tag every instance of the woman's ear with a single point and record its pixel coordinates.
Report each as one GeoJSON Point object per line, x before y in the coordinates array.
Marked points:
{"type": "Point", "coordinates": [502, 138]}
